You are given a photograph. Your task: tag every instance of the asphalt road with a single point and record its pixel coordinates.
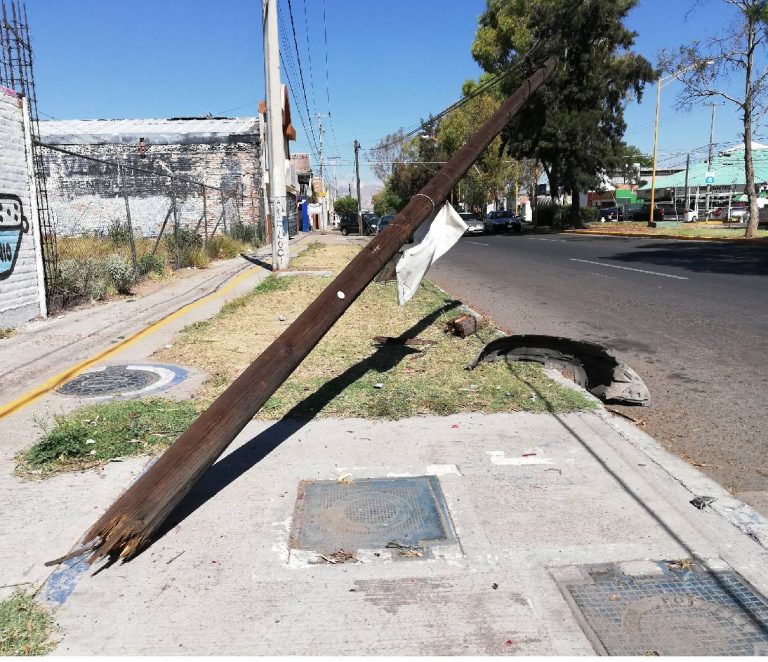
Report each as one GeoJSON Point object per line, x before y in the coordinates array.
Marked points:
{"type": "Point", "coordinates": [690, 317]}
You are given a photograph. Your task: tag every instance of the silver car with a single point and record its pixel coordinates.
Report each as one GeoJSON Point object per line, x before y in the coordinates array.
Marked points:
{"type": "Point", "coordinates": [474, 224]}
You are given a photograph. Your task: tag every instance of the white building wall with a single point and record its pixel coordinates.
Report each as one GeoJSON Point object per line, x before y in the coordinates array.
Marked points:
{"type": "Point", "coordinates": [21, 295]}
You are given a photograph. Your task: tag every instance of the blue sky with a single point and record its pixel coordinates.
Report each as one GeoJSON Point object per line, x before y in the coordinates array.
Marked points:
{"type": "Point", "coordinates": [390, 63]}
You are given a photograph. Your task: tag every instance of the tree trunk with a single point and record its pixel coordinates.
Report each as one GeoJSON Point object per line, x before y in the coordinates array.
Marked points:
{"type": "Point", "coordinates": [575, 209]}
{"type": "Point", "coordinates": [749, 169]}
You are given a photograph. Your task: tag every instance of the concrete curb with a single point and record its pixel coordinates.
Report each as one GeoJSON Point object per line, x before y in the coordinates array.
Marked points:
{"type": "Point", "coordinates": [743, 517]}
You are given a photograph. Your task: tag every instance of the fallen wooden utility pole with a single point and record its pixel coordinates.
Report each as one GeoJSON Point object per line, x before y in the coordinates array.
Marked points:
{"type": "Point", "coordinates": [140, 511]}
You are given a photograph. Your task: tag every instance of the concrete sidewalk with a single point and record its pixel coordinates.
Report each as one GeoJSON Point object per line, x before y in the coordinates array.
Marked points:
{"type": "Point", "coordinates": [499, 526]}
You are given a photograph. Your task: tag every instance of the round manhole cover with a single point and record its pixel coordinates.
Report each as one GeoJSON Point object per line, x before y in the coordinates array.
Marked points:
{"type": "Point", "coordinates": [124, 381]}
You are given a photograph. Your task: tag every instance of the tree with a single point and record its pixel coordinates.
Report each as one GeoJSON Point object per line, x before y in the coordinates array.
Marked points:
{"type": "Point", "coordinates": [629, 160]}
{"type": "Point", "coordinates": [386, 202]}
{"type": "Point", "coordinates": [494, 171]}
{"type": "Point", "coordinates": [346, 205]}
{"type": "Point", "coordinates": [705, 69]}
{"type": "Point", "coordinates": [574, 123]}
{"type": "Point", "coordinates": [387, 152]}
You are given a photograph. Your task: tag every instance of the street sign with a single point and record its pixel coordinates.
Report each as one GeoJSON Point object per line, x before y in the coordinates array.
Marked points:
{"type": "Point", "coordinates": [709, 177]}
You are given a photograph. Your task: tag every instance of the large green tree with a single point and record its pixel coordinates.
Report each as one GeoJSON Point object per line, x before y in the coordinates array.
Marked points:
{"type": "Point", "coordinates": [346, 205]}
{"type": "Point", "coordinates": [573, 124]}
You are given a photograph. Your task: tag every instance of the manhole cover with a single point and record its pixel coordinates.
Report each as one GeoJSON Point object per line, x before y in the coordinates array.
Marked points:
{"type": "Point", "coordinates": [125, 381]}
{"type": "Point", "coordinates": [369, 513]}
{"type": "Point", "coordinates": [689, 611]}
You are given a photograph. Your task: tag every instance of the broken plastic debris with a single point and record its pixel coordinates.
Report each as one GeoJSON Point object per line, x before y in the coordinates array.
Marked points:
{"type": "Point", "coordinates": [379, 385]}
{"type": "Point", "coordinates": [345, 478]}
{"type": "Point", "coordinates": [509, 642]}
{"type": "Point", "coordinates": [90, 441]}
{"type": "Point", "coordinates": [528, 454]}
{"type": "Point", "coordinates": [702, 502]}
{"type": "Point", "coordinates": [455, 426]}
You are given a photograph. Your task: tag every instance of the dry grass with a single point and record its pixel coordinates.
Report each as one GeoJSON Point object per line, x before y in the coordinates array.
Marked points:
{"type": "Point", "coordinates": [705, 229]}
{"type": "Point", "coordinates": [346, 375]}
{"type": "Point", "coordinates": [25, 627]}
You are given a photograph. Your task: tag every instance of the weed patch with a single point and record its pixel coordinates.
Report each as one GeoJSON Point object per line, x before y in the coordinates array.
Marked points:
{"type": "Point", "coordinates": [347, 375]}
{"type": "Point", "coordinates": [25, 627]}
{"type": "Point", "coordinates": [96, 434]}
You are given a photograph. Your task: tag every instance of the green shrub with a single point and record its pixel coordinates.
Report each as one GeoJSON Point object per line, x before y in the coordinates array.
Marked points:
{"type": "Point", "coordinates": [119, 232]}
{"type": "Point", "coordinates": [151, 264]}
{"type": "Point", "coordinates": [120, 272]}
{"type": "Point", "coordinates": [82, 279]}
{"type": "Point", "coordinates": [248, 233]}
{"type": "Point", "coordinates": [184, 245]}
{"type": "Point", "coordinates": [194, 256]}
{"type": "Point", "coordinates": [589, 215]}
{"type": "Point", "coordinates": [222, 247]}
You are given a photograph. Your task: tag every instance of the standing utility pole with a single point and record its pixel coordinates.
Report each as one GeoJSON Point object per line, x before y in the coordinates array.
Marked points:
{"type": "Point", "coordinates": [357, 177]}
{"type": "Point", "coordinates": [687, 167]}
{"type": "Point", "coordinates": [324, 193]}
{"type": "Point", "coordinates": [711, 142]}
{"type": "Point", "coordinates": [277, 201]}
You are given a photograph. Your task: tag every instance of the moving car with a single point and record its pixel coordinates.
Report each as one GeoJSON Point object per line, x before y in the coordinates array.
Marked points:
{"type": "Point", "coordinates": [474, 224]}
{"type": "Point", "coordinates": [384, 221]}
{"type": "Point", "coordinates": [502, 221]}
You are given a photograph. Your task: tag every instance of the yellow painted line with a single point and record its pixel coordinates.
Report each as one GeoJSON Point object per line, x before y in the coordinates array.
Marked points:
{"type": "Point", "coordinates": [50, 384]}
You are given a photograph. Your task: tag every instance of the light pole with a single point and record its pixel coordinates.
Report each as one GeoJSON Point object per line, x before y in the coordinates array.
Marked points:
{"type": "Point", "coordinates": [661, 82]}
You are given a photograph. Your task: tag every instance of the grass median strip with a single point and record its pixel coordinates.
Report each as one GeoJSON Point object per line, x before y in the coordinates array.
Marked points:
{"type": "Point", "coordinates": [96, 434]}
{"type": "Point", "coordinates": [704, 229]}
{"type": "Point", "coordinates": [347, 375]}
{"type": "Point", "coordinates": [25, 627]}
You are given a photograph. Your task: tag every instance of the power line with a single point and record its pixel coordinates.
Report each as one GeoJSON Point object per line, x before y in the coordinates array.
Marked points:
{"type": "Point", "coordinates": [309, 56]}
{"type": "Point", "coordinates": [298, 55]}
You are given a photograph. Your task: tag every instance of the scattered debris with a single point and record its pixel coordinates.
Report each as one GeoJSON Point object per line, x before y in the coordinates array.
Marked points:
{"type": "Point", "coordinates": [464, 325]}
{"type": "Point", "coordinates": [346, 479]}
{"type": "Point", "coordinates": [494, 586]}
{"type": "Point", "coordinates": [637, 421]}
{"type": "Point", "coordinates": [408, 342]}
{"type": "Point", "coordinates": [455, 426]}
{"type": "Point", "coordinates": [702, 502]}
{"type": "Point", "coordinates": [613, 597]}
{"type": "Point", "coordinates": [378, 385]}
{"type": "Point", "coordinates": [404, 550]}
{"type": "Point", "coordinates": [705, 464]}
{"type": "Point", "coordinates": [652, 653]}
{"type": "Point", "coordinates": [281, 318]}
{"type": "Point", "coordinates": [594, 367]}
{"type": "Point", "coordinates": [509, 642]}
{"type": "Point", "coordinates": [554, 469]}
{"type": "Point", "coordinates": [530, 454]}
{"type": "Point", "coordinates": [680, 564]}
{"type": "Point", "coordinates": [338, 557]}
{"type": "Point", "coordinates": [175, 557]}
{"type": "Point", "coordinates": [14, 584]}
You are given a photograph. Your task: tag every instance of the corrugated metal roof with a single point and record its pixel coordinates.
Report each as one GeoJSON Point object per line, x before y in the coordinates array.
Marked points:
{"type": "Point", "coordinates": [728, 167]}
{"type": "Point", "coordinates": [154, 131]}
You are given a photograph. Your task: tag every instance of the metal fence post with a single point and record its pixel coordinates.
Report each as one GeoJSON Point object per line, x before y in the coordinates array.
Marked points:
{"type": "Point", "coordinates": [205, 219]}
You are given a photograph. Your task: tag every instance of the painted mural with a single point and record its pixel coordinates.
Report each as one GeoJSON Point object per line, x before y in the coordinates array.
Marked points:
{"type": "Point", "coordinates": [13, 224]}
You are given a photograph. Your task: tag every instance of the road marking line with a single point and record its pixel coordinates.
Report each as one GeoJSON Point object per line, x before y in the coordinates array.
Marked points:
{"type": "Point", "coordinates": [50, 384]}
{"type": "Point", "coordinates": [477, 243]}
{"type": "Point", "coordinates": [640, 271]}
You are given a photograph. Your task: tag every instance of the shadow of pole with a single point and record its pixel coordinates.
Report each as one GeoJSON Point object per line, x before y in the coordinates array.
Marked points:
{"type": "Point", "coordinates": [738, 599]}
{"type": "Point", "coordinates": [229, 468]}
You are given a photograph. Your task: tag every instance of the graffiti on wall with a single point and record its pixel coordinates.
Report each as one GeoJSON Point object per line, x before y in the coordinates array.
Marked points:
{"type": "Point", "coordinates": [13, 224]}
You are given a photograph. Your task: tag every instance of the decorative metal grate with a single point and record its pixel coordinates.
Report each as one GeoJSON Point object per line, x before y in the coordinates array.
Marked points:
{"type": "Point", "coordinates": [687, 611]}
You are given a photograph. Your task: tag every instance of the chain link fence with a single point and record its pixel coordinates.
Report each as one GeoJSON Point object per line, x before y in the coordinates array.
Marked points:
{"type": "Point", "coordinates": [118, 222]}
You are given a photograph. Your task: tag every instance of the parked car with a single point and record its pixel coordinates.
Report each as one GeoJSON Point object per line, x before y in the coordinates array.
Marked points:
{"type": "Point", "coordinates": [349, 224]}
{"type": "Point", "coordinates": [502, 221]}
{"type": "Point", "coordinates": [643, 213]}
{"type": "Point", "coordinates": [474, 224]}
{"type": "Point", "coordinates": [671, 213]}
{"type": "Point", "coordinates": [384, 221]}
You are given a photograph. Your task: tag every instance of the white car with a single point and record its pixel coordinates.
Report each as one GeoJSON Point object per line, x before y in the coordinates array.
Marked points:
{"type": "Point", "coordinates": [679, 214]}
{"type": "Point", "coordinates": [474, 224]}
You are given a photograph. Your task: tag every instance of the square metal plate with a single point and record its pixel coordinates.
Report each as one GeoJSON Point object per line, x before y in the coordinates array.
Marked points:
{"type": "Point", "coordinates": [369, 513]}
{"type": "Point", "coordinates": [688, 610]}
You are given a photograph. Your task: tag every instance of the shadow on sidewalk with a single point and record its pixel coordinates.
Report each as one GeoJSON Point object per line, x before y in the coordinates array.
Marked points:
{"type": "Point", "coordinates": [229, 468]}
{"type": "Point", "coordinates": [657, 517]}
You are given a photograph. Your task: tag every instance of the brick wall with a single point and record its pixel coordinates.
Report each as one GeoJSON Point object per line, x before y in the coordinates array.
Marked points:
{"type": "Point", "coordinates": [86, 196]}
{"type": "Point", "coordinates": [20, 266]}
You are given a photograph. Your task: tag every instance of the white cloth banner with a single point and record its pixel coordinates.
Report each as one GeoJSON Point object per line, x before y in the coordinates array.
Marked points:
{"type": "Point", "coordinates": [445, 230]}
